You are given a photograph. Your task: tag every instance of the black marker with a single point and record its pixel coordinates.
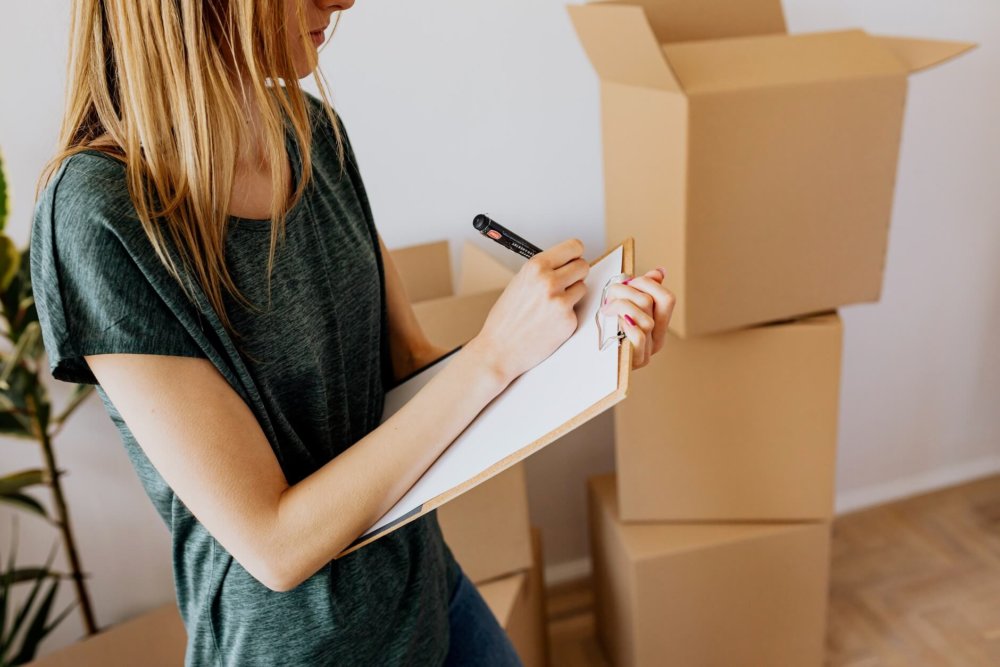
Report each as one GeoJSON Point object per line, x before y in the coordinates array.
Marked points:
{"type": "Point", "coordinates": [504, 237]}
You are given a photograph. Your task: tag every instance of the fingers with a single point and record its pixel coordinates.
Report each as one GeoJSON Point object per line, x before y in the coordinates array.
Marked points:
{"type": "Point", "coordinates": [559, 254]}
{"type": "Point", "coordinates": [640, 342]}
{"type": "Point", "coordinates": [627, 309]}
{"type": "Point", "coordinates": [648, 293]}
{"type": "Point", "coordinates": [574, 293]}
{"type": "Point", "coordinates": [571, 272]}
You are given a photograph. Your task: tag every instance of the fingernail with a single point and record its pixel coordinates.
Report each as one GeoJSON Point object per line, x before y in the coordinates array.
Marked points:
{"type": "Point", "coordinates": [626, 282]}
{"type": "Point", "coordinates": [662, 271]}
{"type": "Point", "coordinates": [630, 320]}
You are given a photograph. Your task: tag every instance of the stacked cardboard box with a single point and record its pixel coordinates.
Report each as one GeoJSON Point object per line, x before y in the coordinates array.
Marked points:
{"type": "Point", "coordinates": [487, 528]}
{"type": "Point", "coordinates": [757, 167]}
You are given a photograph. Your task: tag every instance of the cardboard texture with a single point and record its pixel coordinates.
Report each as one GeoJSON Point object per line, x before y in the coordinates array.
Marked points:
{"type": "Point", "coordinates": [758, 167]}
{"type": "Point", "coordinates": [154, 639]}
{"type": "Point", "coordinates": [518, 603]}
{"type": "Point", "coordinates": [735, 426]}
{"type": "Point", "coordinates": [712, 595]}
{"type": "Point", "coordinates": [450, 317]}
{"type": "Point", "coordinates": [488, 529]}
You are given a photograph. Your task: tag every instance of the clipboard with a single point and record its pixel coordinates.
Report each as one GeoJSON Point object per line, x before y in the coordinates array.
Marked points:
{"type": "Point", "coordinates": [491, 443]}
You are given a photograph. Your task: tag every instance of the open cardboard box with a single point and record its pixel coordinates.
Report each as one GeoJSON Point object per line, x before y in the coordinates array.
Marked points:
{"type": "Point", "coordinates": [758, 167]}
{"type": "Point", "coordinates": [450, 314]}
{"type": "Point", "coordinates": [487, 528]}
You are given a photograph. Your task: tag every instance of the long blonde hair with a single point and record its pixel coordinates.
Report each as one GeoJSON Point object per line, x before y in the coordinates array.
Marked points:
{"type": "Point", "coordinates": [162, 87]}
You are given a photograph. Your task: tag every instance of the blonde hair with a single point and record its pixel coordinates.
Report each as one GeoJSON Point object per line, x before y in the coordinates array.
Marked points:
{"type": "Point", "coordinates": [164, 88]}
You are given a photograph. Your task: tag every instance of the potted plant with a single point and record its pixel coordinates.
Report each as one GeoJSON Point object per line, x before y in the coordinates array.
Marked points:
{"type": "Point", "coordinates": [26, 413]}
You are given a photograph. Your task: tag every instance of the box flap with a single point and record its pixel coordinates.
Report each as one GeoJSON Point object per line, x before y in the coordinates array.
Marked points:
{"type": "Point", "coordinates": [425, 270]}
{"type": "Point", "coordinates": [621, 45]}
{"type": "Point", "coordinates": [777, 60]}
{"type": "Point", "coordinates": [690, 20]}
{"type": "Point", "coordinates": [921, 54]}
{"type": "Point", "coordinates": [480, 271]}
{"type": "Point", "coordinates": [453, 321]}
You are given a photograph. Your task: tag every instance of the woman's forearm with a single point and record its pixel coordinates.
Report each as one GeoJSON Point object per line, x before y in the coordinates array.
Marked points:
{"type": "Point", "coordinates": [321, 515]}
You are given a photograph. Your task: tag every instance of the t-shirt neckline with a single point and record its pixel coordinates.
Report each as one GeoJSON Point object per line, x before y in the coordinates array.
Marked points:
{"type": "Point", "coordinates": [295, 162]}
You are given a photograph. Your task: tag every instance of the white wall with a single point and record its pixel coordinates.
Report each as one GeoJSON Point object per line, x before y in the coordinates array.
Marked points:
{"type": "Point", "coordinates": [459, 107]}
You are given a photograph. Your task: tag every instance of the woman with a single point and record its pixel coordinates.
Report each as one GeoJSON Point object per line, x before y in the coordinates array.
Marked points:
{"type": "Point", "coordinates": [248, 392]}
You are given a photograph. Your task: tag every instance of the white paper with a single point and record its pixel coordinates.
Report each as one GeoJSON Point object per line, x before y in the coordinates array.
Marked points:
{"type": "Point", "coordinates": [571, 380]}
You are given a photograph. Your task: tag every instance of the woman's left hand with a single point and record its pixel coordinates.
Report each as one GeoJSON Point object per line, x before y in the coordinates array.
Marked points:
{"type": "Point", "coordinates": [644, 306]}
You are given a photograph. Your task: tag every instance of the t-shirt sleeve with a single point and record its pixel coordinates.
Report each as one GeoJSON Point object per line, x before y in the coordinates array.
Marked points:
{"type": "Point", "coordinates": [90, 294]}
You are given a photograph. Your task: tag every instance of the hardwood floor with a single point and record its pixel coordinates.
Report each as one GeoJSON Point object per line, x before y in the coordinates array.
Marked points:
{"type": "Point", "coordinates": [914, 583]}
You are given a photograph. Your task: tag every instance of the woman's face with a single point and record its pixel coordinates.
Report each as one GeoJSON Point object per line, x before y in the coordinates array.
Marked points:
{"type": "Point", "coordinates": [317, 20]}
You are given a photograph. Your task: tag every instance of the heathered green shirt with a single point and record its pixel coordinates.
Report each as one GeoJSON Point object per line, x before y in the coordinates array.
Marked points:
{"type": "Point", "coordinates": [317, 386]}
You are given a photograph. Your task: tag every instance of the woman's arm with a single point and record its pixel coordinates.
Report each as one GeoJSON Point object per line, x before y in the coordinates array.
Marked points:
{"type": "Point", "coordinates": [208, 446]}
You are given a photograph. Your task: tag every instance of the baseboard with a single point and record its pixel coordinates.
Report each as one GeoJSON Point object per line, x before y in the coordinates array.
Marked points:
{"type": "Point", "coordinates": [851, 500]}
{"type": "Point", "coordinates": [898, 489]}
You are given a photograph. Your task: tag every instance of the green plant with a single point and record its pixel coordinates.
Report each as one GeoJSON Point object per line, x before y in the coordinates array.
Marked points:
{"type": "Point", "coordinates": [36, 617]}
{"type": "Point", "coordinates": [25, 409]}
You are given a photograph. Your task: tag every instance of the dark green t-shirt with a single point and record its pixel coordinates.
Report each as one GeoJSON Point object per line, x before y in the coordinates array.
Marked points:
{"type": "Point", "coordinates": [313, 369]}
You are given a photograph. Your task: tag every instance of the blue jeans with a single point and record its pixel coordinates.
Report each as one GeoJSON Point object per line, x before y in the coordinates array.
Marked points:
{"type": "Point", "coordinates": [476, 637]}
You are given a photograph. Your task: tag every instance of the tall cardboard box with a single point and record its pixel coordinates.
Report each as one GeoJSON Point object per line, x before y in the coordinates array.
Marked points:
{"type": "Point", "coordinates": [711, 595]}
{"type": "Point", "coordinates": [736, 426]}
{"type": "Point", "coordinates": [487, 529]}
{"type": "Point", "coordinates": [518, 602]}
{"type": "Point", "coordinates": [757, 166]}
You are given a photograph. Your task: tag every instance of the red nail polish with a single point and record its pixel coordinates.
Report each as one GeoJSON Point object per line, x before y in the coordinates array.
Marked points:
{"type": "Point", "coordinates": [626, 282]}
{"type": "Point", "coordinates": [630, 320]}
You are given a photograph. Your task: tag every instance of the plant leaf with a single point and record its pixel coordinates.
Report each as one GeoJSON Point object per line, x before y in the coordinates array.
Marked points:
{"type": "Point", "coordinates": [23, 574]}
{"type": "Point", "coordinates": [6, 579]}
{"type": "Point", "coordinates": [18, 480]}
{"type": "Point", "coordinates": [10, 261]}
{"type": "Point", "coordinates": [32, 637]}
{"type": "Point", "coordinates": [24, 502]}
{"type": "Point", "coordinates": [36, 629]}
{"type": "Point", "coordinates": [4, 200]}
{"type": "Point", "coordinates": [14, 426]}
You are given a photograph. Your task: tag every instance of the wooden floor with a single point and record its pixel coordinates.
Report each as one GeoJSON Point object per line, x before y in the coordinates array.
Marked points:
{"type": "Point", "coordinates": [914, 583]}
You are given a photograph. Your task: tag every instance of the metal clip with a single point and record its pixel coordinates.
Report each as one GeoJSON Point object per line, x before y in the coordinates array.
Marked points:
{"type": "Point", "coordinates": [604, 340]}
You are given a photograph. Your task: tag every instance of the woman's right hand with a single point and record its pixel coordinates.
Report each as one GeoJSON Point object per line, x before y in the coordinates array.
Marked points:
{"type": "Point", "coordinates": [534, 315]}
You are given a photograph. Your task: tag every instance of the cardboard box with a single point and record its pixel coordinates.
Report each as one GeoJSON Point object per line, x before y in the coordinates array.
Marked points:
{"type": "Point", "coordinates": [711, 595]}
{"type": "Point", "coordinates": [757, 167]}
{"type": "Point", "coordinates": [154, 639]}
{"type": "Point", "coordinates": [450, 314]}
{"type": "Point", "coordinates": [518, 602]}
{"type": "Point", "coordinates": [488, 529]}
{"type": "Point", "coordinates": [735, 426]}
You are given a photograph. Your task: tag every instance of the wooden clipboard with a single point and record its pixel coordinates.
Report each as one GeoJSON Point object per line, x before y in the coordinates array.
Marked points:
{"type": "Point", "coordinates": [624, 362]}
